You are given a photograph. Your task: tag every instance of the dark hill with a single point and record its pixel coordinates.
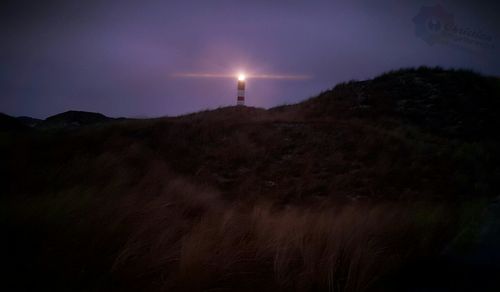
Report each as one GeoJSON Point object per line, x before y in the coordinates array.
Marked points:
{"type": "Point", "coordinates": [72, 119]}
{"type": "Point", "coordinates": [29, 121]}
{"type": "Point", "coordinates": [455, 103]}
{"type": "Point", "coordinates": [357, 189]}
{"type": "Point", "coordinates": [9, 124]}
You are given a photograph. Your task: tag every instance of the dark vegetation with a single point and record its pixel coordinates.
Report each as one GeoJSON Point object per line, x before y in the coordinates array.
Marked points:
{"type": "Point", "coordinates": [10, 124]}
{"type": "Point", "coordinates": [361, 188]}
{"type": "Point", "coordinates": [72, 119]}
{"type": "Point", "coordinates": [29, 121]}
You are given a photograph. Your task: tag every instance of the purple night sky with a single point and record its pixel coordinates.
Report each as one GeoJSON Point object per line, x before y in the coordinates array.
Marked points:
{"type": "Point", "coordinates": [119, 57]}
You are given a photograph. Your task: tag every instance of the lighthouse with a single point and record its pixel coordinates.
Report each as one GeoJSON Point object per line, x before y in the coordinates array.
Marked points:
{"type": "Point", "coordinates": [240, 99]}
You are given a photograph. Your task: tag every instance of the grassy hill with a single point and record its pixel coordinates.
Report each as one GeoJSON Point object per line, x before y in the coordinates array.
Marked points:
{"type": "Point", "coordinates": [73, 119]}
{"type": "Point", "coordinates": [341, 192]}
{"type": "Point", "coordinates": [10, 124]}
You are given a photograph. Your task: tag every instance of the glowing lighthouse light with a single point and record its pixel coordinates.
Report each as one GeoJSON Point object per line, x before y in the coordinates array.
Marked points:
{"type": "Point", "coordinates": [240, 100]}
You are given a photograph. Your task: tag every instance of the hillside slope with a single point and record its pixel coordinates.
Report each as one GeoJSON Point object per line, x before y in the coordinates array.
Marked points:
{"type": "Point", "coordinates": [10, 124]}
{"type": "Point", "coordinates": [228, 196]}
{"type": "Point", "coordinates": [72, 119]}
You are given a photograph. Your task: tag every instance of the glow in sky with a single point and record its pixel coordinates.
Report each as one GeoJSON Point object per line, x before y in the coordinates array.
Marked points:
{"type": "Point", "coordinates": [153, 58]}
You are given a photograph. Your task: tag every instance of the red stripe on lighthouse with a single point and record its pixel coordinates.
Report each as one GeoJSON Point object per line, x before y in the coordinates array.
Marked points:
{"type": "Point", "coordinates": [240, 97]}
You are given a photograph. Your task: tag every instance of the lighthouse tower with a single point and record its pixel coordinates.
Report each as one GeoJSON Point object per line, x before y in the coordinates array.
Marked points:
{"type": "Point", "coordinates": [240, 100]}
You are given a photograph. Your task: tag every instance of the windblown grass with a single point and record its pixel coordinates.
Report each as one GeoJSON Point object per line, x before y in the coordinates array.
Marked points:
{"type": "Point", "coordinates": [338, 193]}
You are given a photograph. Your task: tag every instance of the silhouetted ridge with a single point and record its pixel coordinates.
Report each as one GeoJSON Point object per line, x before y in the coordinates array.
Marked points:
{"type": "Point", "coordinates": [10, 124]}
{"type": "Point", "coordinates": [458, 103]}
{"type": "Point", "coordinates": [74, 119]}
{"type": "Point", "coordinates": [29, 121]}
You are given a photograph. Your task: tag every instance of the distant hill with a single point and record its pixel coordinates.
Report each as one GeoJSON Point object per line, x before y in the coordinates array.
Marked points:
{"type": "Point", "coordinates": [8, 123]}
{"type": "Point", "coordinates": [29, 121]}
{"type": "Point", "coordinates": [73, 119]}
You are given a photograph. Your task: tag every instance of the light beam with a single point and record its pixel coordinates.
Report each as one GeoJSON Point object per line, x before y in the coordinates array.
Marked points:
{"type": "Point", "coordinates": [249, 76]}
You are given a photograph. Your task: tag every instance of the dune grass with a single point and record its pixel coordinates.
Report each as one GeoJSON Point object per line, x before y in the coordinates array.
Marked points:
{"type": "Point", "coordinates": [339, 193]}
{"type": "Point", "coordinates": [187, 238]}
